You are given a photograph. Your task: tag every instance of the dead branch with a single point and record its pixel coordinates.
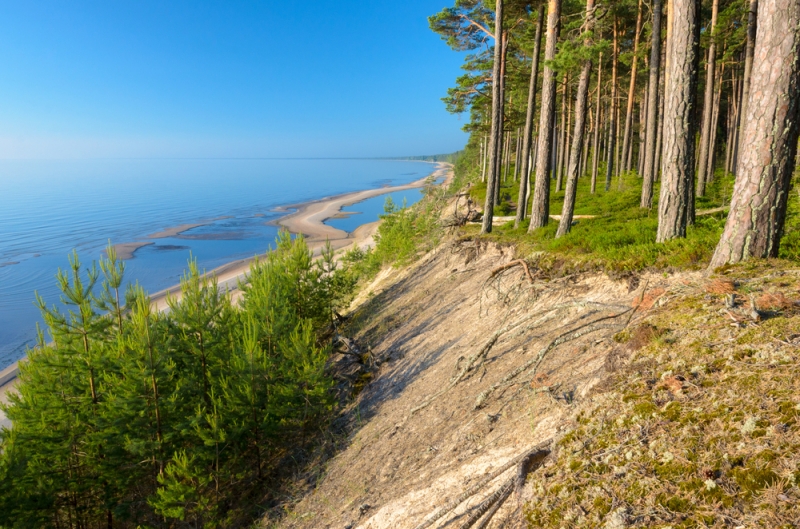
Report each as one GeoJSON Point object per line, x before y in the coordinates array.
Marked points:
{"type": "Point", "coordinates": [542, 448]}
{"type": "Point", "coordinates": [515, 262]}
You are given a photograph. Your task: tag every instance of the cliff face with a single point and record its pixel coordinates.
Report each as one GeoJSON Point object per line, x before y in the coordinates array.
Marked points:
{"type": "Point", "coordinates": [474, 364]}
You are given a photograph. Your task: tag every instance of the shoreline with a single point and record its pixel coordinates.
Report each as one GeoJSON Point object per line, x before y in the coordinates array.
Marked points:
{"type": "Point", "coordinates": [307, 218]}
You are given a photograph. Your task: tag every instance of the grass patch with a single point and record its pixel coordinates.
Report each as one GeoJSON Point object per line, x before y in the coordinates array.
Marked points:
{"type": "Point", "coordinates": [621, 236]}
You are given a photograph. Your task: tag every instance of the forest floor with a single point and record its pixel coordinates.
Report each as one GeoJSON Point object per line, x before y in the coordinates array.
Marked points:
{"type": "Point", "coordinates": [474, 363]}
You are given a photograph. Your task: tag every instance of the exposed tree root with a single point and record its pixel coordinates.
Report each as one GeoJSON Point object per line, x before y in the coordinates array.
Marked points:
{"type": "Point", "coordinates": [473, 362]}
{"type": "Point", "coordinates": [534, 455]}
{"type": "Point", "coordinates": [490, 505]}
{"type": "Point", "coordinates": [533, 363]}
{"type": "Point", "coordinates": [515, 262]}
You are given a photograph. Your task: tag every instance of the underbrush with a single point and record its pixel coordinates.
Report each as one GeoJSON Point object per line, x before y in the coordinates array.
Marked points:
{"type": "Point", "coordinates": [404, 234]}
{"type": "Point", "coordinates": [702, 426]}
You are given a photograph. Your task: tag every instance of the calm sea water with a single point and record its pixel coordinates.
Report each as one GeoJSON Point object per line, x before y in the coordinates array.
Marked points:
{"type": "Point", "coordinates": [47, 209]}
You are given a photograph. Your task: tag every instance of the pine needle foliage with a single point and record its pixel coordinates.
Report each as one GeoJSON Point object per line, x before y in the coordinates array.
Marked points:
{"type": "Point", "coordinates": [131, 417]}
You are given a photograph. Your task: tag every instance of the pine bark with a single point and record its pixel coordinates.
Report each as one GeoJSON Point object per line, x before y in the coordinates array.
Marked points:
{"type": "Point", "coordinates": [568, 208]}
{"type": "Point", "coordinates": [497, 122]}
{"type": "Point", "coordinates": [502, 114]}
{"type": "Point", "coordinates": [712, 141]}
{"type": "Point", "coordinates": [597, 127]}
{"type": "Point", "coordinates": [612, 112]}
{"type": "Point", "coordinates": [708, 105]}
{"type": "Point", "coordinates": [522, 201]}
{"type": "Point", "coordinates": [540, 210]}
{"type": "Point", "coordinates": [752, 28]}
{"type": "Point", "coordinates": [627, 141]}
{"type": "Point", "coordinates": [758, 208]}
{"type": "Point", "coordinates": [562, 135]}
{"type": "Point", "coordinates": [680, 94]}
{"type": "Point", "coordinates": [650, 168]}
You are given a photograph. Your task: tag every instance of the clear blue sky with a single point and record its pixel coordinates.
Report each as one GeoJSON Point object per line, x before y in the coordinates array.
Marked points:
{"type": "Point", "coordinates": [224, 79]}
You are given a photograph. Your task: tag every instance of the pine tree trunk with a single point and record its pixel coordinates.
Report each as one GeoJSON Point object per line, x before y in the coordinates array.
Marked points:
{"type": "Point", "coordinates": [497, 122]}
{"type": "Point", "coordinates": [540, 210]}
{"type": "Point", "coordinates": [522, 201]}
{"type": "Point", "coordinates": [752, 28]}
{"type": "Point", "coordinates": [758, 208]}
{"type": "Point", "coordinates": [597, 127]}
{"type": "Point", "coordinates": [651, 136]}
{"type": "Point", "coordinates": [643, 108]}
{"type": "Point", "coordinates": [741, 101]}
{"type": "Point", "coordinates": [612, 112]}
{"type": "Point", "coordinates": [679, 98]}
{"type": "Point", "coordinates": [506, 157]}
{"type": "Point", "coordinates": [568, 209]}
{"type": "Point", "coordinates": [562, 141]}
{"type": "Point", "coordinates": [517, 152]}
{"type": "Point", "coordinates": [627, 141]}
{"type": "Point", "coordinates": [708, 106]}
{"type": "Point", "coordinates": [659, 134]}
{"type": "Point", "coordinates": [712, 142]}
{"type": "Point", "coordinates": [729, 124]}
{"type": "Point", "coordinates": [502, 116]}
{"type": "Point", "coordinates": [585, 151]}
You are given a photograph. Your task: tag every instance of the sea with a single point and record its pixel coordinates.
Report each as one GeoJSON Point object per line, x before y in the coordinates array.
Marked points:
{"type": "Point", "coordinates": [48, 209]}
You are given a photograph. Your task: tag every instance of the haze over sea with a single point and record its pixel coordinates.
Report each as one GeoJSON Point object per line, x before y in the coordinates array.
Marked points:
{"type": "Point", "coordinates": [50, 207]}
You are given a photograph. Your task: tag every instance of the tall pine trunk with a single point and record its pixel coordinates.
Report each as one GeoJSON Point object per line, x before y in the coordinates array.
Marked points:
{"type": "Point", "coordinates": [627, 141]}
{"type": "Point", "coordinates": [568, 208]}
{"type": "Point", "coordinates": [708, 106]}
{"type": "Point", "coordinates": [562, 141]}
{"type": "Point", "coordinates": [758, 209]}
{"type": "Point", "coordinates": [497, 122]}
{"type": "Point", "coordinates": [502, 114]}
{"type": "Point", "coordinates": [680, 93]}
{"type": "Point", "coordinates": [650, 168]}
{"type": "Point", "coordinates": [612, 112]}
{"type": "Point", "coordinates": [522, 201]}
{"type": "Point", "coordinates": [597, 124]}
{"type": "Point", "coordinates": [712, 142]}
{"type": "Point", "coordinates": [540, 210]}
{"type": "Point", "coordinates": [752, 28]}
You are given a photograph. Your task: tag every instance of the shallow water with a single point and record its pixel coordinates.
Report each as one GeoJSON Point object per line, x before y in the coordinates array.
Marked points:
{"type": "Point", "coordinates": [368, 210]}
{"type": "Point", "coordinates": [49, 208]}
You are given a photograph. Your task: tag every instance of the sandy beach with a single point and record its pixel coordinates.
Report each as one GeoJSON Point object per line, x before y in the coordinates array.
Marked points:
{"type": "Point", "coordinates": [307, 219]}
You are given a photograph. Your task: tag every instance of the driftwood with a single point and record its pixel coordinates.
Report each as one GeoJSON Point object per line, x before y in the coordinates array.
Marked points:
{"type": "Point", "coordinates": [515, 262]}
{"type": "Point", "coordinates": [539, 453]}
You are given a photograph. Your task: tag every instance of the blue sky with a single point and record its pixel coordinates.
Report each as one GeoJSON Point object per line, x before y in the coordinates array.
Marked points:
{"type": "Point", "coordinates": [322, 78]}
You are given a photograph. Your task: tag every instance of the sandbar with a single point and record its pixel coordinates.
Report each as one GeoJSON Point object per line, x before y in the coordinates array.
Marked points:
{"type": "Point", "coordinates": [308, 220]}
{"type": "Point", "coordinates": [175, 231]}
{"type": "Point", "coordinates": [125, 250]}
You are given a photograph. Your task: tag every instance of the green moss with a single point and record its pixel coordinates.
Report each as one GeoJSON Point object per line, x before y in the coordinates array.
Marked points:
{"type": "Point", "coordinates": [645, 409]}
{"type": "Point", "coordinates": [752, 480]}
{"type": "Point", "coordinates": [672, 411]}
{"type": "Point", "coordinates": [676, 504]}
{"type": "Point", "coordinates": [602, 505]}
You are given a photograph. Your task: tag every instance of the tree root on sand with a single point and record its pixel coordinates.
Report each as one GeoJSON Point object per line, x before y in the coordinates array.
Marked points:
{"type": "Point", "coordinates": [533, 363]}
{"type": "Point", "coordinates": [526, 462]}
{"type": "Point", "coordinates": [515, 262]}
